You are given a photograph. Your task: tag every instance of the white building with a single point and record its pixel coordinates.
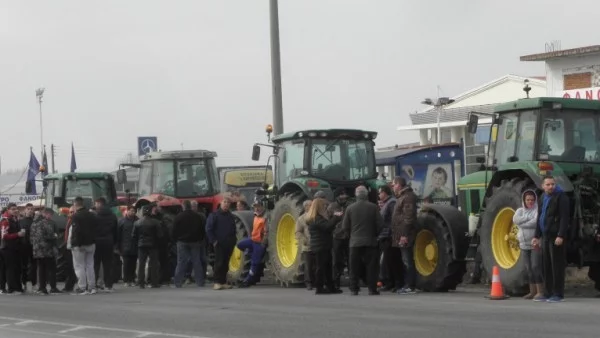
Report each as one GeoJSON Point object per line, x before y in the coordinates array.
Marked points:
{"type": "Point", "coordinates": [573, 73]}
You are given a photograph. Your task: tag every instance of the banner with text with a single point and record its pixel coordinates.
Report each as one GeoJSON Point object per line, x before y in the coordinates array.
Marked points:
{"type": "Point", "coordinates": [18, 199]}
{"type": "Point", "coordinates": [582, 93]}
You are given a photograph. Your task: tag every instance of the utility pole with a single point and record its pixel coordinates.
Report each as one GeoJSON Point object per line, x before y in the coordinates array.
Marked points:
{"type": "Point", "coordinates": [52, 155]}
{"type": "Point", "coordinates": [39, 93]}
{"type": "Point", "coordinates": [276, 69]}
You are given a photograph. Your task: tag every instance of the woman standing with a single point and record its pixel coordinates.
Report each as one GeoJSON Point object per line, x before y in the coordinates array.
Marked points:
{"type": "Point", "coordinates": [526, 219]}
{"type": "Point", "coordinates": [320, 227]}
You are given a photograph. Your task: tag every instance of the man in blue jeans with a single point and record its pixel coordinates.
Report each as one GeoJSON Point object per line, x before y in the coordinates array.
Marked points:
{"type": "Point", "coordinates": [189, 231]}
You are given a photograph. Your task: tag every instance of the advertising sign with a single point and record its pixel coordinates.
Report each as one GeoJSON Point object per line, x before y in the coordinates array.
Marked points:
{"type": "Point", "coordinates": [18, 199]}
{"type": "Point", "coordinates": [433, 181]}
{"type": "Point", "coordinates": [582, 93]}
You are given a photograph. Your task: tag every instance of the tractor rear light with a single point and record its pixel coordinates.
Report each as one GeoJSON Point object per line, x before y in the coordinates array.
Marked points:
{"type": "Point", "coordinates": [546, 166]}
{"type": "Point", "coordinates": [63, 211]}
{"type": "Point", "coordinates": [312, 134]}
{"type": "Point", "coordinates": [312, 184]}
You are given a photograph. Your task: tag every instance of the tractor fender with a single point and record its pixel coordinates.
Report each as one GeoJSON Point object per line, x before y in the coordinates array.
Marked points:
{"type": "Point", "coordinates": [458, 226]}
{"type": "Point", "coordinates": [247, 218]}
{"type": "Point", "coordinates": [529, 171]}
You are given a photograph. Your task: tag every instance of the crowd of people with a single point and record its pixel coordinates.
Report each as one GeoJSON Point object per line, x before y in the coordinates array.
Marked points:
{"type": "Point", "coordinates": [373, 241]}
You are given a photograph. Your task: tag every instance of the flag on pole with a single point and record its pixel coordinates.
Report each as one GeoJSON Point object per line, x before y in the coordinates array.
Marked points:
{"type": "Point", "coordinates": [32, 171]}
{"type": "Point", "coordinates": [73, 162]}
{"type": "Point", "coordinates": [45, 164]}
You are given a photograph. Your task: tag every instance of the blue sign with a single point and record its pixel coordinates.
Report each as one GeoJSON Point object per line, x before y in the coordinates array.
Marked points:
{"type": "Point", "coordinates": [147, 144]}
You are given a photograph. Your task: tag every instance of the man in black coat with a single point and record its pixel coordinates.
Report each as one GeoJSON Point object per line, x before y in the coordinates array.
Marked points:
{"type": "Point", "coordinates": [363, 222]}
{"type": "Point", "coordinates": [148, 232]}
{"type": "Point", "coordinates": [126, 246]}
{"type": "Point", "coordinates": [553, 222]}
{"type": "Point", "coordinates": [189, 231]}
{"type": "Point", "coordinates": [106, 237]}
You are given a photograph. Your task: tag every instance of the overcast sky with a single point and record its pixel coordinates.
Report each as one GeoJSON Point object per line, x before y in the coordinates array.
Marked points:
{"type": "Point", "coordinates": [198, 72]}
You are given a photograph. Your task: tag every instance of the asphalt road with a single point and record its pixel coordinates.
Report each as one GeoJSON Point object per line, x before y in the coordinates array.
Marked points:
{"type": "Point", "coordinates": [269, 311]}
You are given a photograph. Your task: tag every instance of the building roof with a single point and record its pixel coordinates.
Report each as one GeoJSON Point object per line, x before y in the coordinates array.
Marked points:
{"type": "Point", "coordinates": [581, 51]}
{"type": "Point", "coordinates": [450, 114]}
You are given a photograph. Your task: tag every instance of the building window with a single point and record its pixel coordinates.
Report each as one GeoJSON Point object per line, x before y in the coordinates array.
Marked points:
{"type": "Point", "coordinates": [577, 81]}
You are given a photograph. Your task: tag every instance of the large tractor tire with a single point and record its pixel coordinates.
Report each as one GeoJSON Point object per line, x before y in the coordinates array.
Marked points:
{"type": "Point", "coordinates": [437, 270]}
{"type": "Point", "coordinates": [239, 263]}
{"type": "Point", "coordinates": [286, 260]}
{"type": "Point", "coordinates": [498, 234]}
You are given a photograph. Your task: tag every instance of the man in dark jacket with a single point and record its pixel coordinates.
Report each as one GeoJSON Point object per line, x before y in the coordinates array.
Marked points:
{"type": "Point", "coordinates": [552, 226]}
{"type": "Point", "coordinates": [106, 237]}
{"type": "Point", "coordinates": [387, 203]}
{"type": "Point", "coordinates": [83, 239]}
{"type": "Point", "coordinates": [127, 246]}
{"type": "Point", "coordinates": [148, 233]}
{"type": "Point", "coordinates": [29, 264]}
{"type": "Point", "coordinates": [221, 232]}
{"type": "Point", "coordinates": [363, 222]}
{"type": "Point", "coordinates": [340, 237]}
{"type": "Point", "coordinates": [404, 221]}
{"type": "Point", "coordinates": [10, 247]}
{"type": "Point", "coordinates": [164, 244]}
{"type": "Point", "coordinates": [189, 233]}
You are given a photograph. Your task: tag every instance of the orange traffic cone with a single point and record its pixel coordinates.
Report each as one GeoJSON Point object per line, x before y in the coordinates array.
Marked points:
{"type": "Point", "coordinates": [497, 292]}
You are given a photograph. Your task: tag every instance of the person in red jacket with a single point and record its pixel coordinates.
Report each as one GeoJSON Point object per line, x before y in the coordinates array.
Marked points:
{"type": "Point", "coordinates": [255, 245]}
{"type": "Point", "coordinates": [10, 246]}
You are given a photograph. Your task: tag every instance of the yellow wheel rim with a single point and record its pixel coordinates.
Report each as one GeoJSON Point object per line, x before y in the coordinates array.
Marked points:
{"type": "Point", "coordinates": [426, 253]}
{"type": "Point", "coordinates": [287, 246]}
{"type": "Point", "coordinates": [505, 245]}
{"type": "Point", "coordinates": [235, 262]}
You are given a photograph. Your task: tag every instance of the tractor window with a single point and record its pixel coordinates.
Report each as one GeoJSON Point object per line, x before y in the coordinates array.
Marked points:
{"type": "Point", "coordinates": [584, 135]}
{"type": "Point", "coordinates": [342, 160]}
{"type": "Point", "coordinates": [163, 178]}
{"type": "Point", "coordinates": [570, 136]}
{"type": "Point", "coordinates": [553, 137]}
{"type": "Point", "coordinates": [192, 178]}
{"type": "Point", "coordinates": [526, 136]}
{"type": "Point", "coordinates": [291, 160]}
{"type": "Point", "coordinates": [145, 179]}
{"type": "Point", "coordinates": [506, 138]}
{"type": "Point", "coordinates": [88, 189]}
{"type": "Point", "coordinates": [50, 193]}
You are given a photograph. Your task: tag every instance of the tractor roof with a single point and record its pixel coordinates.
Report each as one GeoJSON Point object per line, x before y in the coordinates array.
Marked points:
{"type": "Point", "coordinates": [326, 133]}
{"type": "Point", "coordinates": [547, 102]}
{"type": "Point", "coordinates": [179, 154]}
{"type": "Point", "coordinates": [81, 176]}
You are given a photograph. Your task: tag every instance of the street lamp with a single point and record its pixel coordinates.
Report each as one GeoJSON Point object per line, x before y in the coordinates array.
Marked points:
{"type": "Point", "coordinates": [276, 69]}
{"type": "Point", "coordinates": [39, 93]}
{"type": "Point", "coordinates": [439, 105]}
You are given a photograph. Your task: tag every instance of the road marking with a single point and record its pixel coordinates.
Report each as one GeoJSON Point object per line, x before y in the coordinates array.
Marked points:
{"type": "Point", "coordinates": [76, 328]}
{"type": "Point", "coordinates": [39, 333]}
{"type": "Point", "coordinates": [73, 327]}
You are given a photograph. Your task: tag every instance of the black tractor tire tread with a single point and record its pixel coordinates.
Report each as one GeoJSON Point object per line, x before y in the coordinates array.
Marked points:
{"type": "Point", "coordinates": [294, 275]}
{"type": "Point", "coordinates": [236, 277]}
{"type": "Point", "coordinates": [449, 272]}
{"type": "Point", "coordinates": [508, 193]}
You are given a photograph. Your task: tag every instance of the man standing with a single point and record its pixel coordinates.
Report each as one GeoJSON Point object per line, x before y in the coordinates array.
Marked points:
{"type": "Point", "coordinates": [43, 240]}
{"type": "Point", "coordinates": [148, 232]}
{"type": "Point", "coordinates": [363, 222]}
{"type": "Point", "coordinates": [387, 205]}
{"type": "Point", "coordinates": [553, 223]}
{"type": "Point", "coordinates": [189, 230]}
{"type": "Point", "coordinates": [127, 246]}
{"type": "Point", "coordinates": [83, 239]}
{"type": "Point", "coordinates": [340, 237]}
{"type": "Point", "coordinates": [10, 246]}
{"type": "Point", "coordinates": [404, 222]}
{"type": "Point", "coordinates": [29, 267]}
{"type": "Point", "coordinates": [106, 237]}
{"type": "Point", "coordinates": [303, 237]}
{"type": "Point", "coordinates": [221, 232]}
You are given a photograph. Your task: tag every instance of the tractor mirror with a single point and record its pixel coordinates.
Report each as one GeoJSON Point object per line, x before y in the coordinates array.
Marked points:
{"type": "Point", "coordinates": [29, 187]}
{"type": "Point", "coordinates": [121, 176]}
{"type": "Point", "coordinates": [472, 124]}
{"type": "Point", "coordinates": [256, 152]}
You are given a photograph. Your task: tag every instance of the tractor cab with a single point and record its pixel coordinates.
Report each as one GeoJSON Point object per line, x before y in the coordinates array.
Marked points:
{"type": "Point", "coordinates": [167, 177]}
{"type": "Point", "coordinates": [322, 160]}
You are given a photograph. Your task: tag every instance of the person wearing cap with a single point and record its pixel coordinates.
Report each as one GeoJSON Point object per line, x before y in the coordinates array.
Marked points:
{"type": "Point", "coordinates": [148, 232]}
{"type": "Point", "coordinates": [340, 237]}
{"type": "Point", "coordinates": [43, 241]}
{"type": "Point", "coordinates": [255, 245]}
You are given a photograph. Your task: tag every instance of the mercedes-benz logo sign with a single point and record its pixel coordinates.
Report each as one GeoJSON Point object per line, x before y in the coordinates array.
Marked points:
{"type": "Point", "coordinates": [147, 146]}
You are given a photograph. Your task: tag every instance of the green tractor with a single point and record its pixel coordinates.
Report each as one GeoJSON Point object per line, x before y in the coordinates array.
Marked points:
{"type": "Point", "coordinates": [307, 162]}
{"type": "Point", "coordinates": [529, 139]}
{"type": "Point", "coordinates": [61, 189]}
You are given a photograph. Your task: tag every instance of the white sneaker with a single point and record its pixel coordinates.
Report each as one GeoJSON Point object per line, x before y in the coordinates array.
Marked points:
{"type": "Point", "coordinates": [93, 292]}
